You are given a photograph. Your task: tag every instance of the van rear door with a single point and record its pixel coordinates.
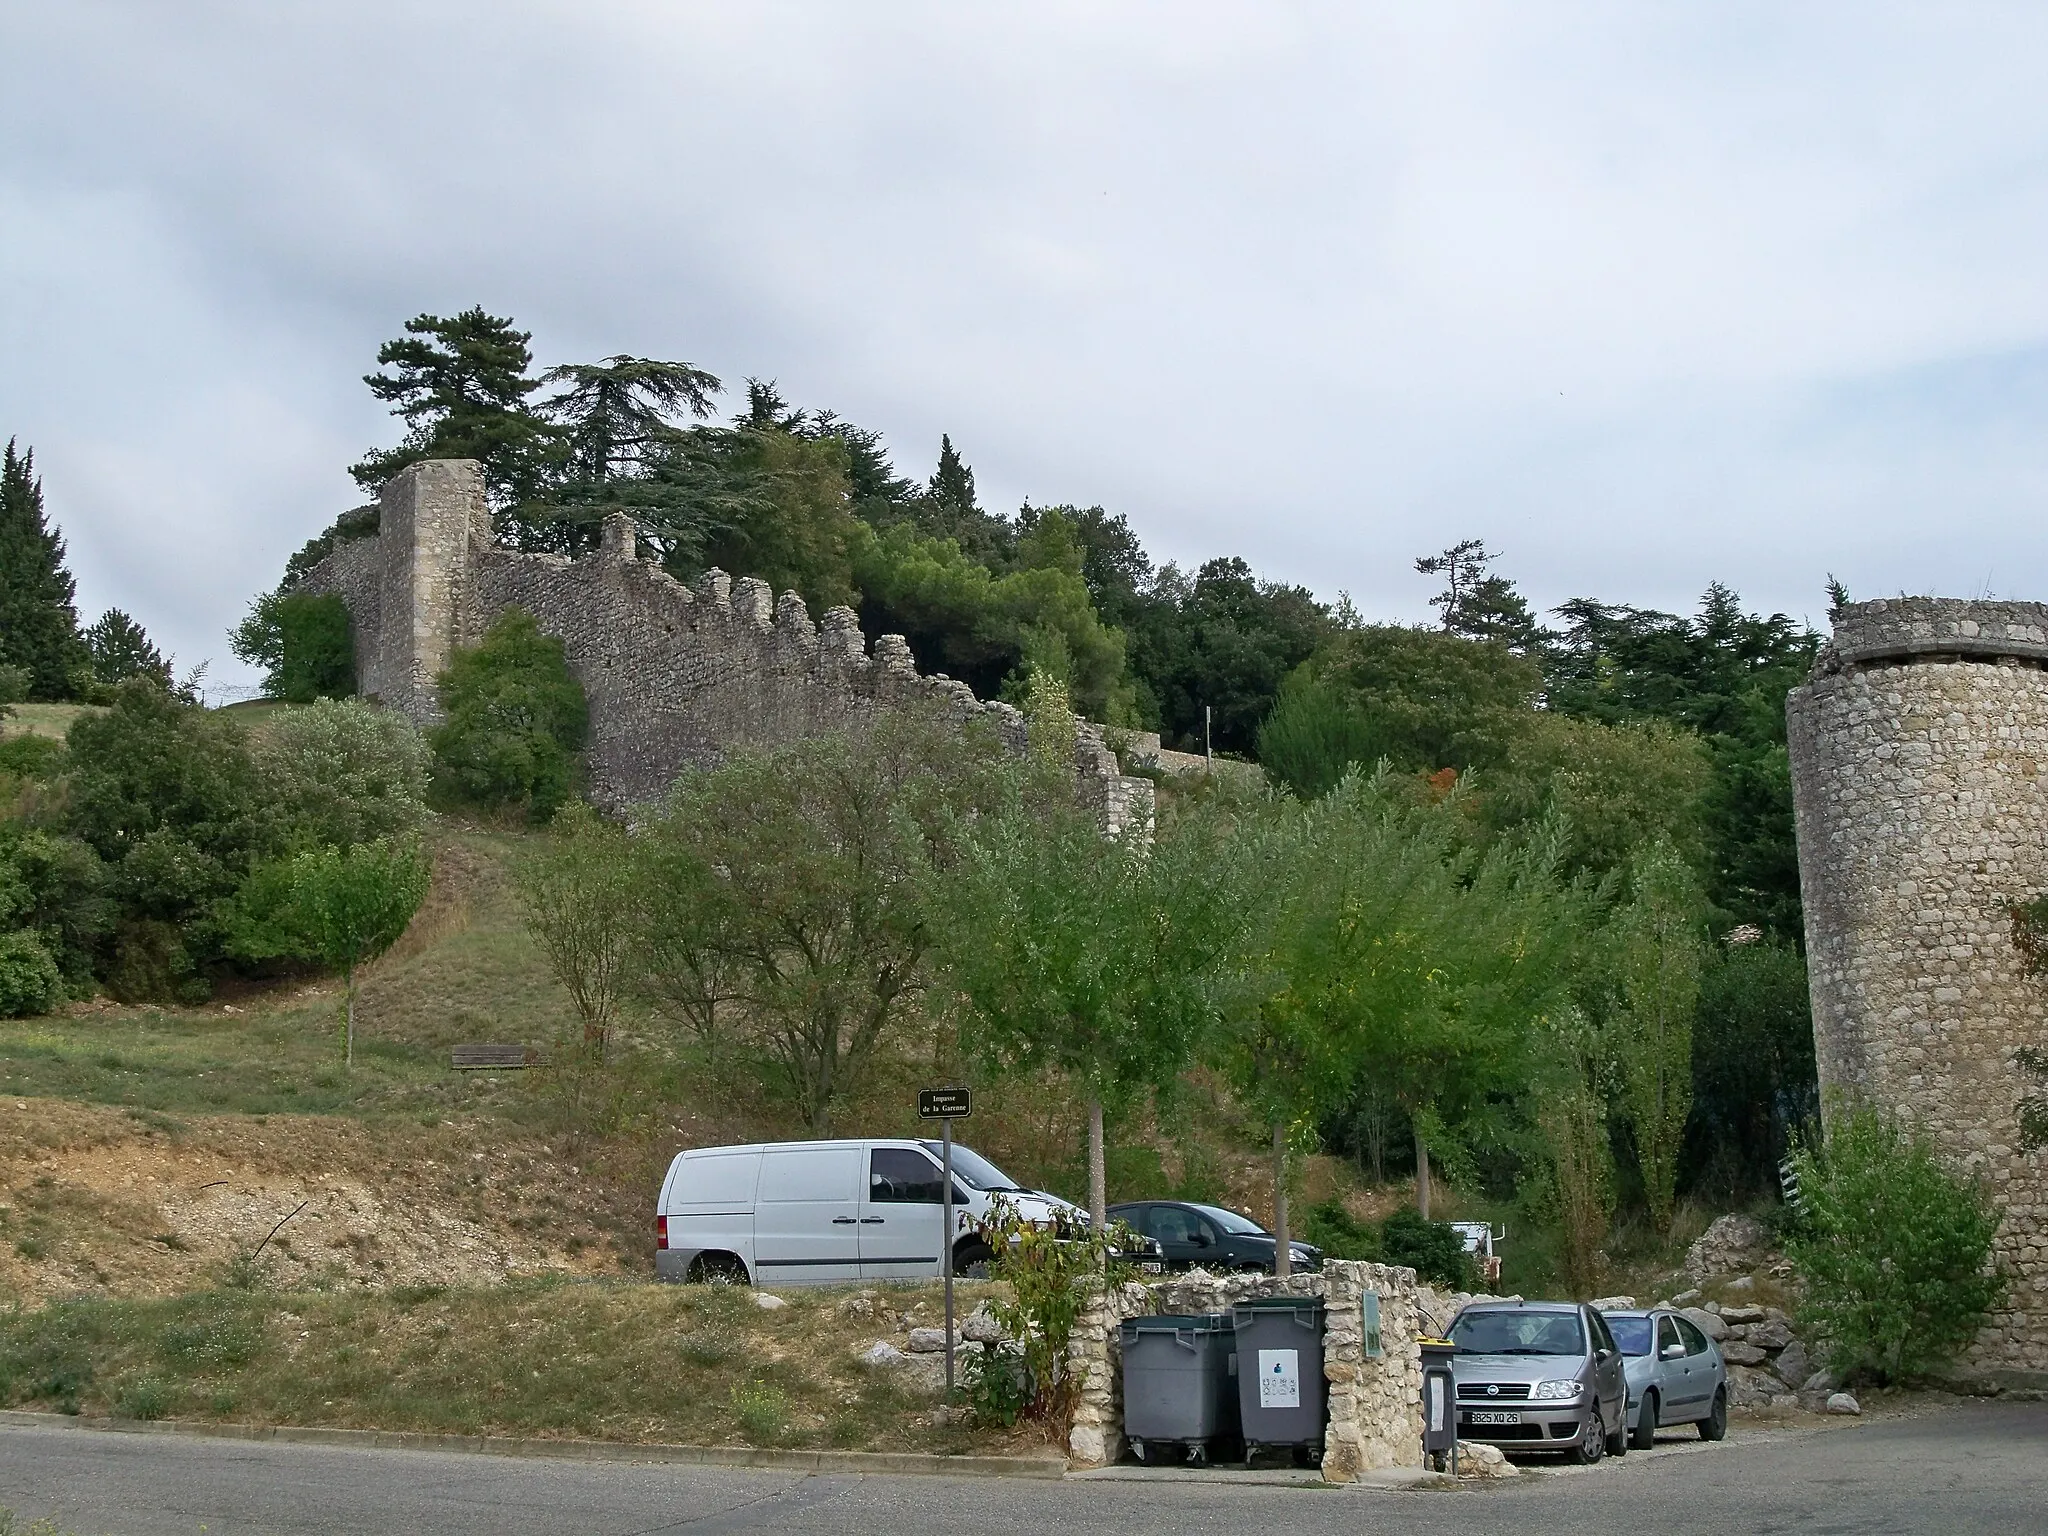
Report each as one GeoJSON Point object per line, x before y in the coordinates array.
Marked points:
{"type": "Point", "coordinates": [901, 1216]}
{"type": "Point", "coordinates": [807, 1215]}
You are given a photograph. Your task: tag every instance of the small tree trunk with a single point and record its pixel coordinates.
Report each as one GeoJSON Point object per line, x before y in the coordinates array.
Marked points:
{"type": "Point", "coordinates": [1283, 1254]}
{"type": "Point", "coordinates": [1098, 1178]}
{"type": "Point", "coordinates": [348, 1028]}
{"type": "Point", "coordinates": [1421, 1177]}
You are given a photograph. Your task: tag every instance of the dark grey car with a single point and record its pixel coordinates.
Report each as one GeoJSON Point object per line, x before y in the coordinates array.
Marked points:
{"type": "Point", "coordinates": [1675, 1375]}
{"type": "Point", "coordinates": [1540, 1376]}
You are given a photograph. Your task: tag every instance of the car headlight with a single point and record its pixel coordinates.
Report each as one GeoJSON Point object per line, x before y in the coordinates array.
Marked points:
{"type": "Point", "coordinates": [1556, 1391]}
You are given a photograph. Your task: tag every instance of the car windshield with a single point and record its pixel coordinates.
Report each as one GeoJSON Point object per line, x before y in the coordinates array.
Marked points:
{"type": "Point", "coordinates": [1231, 1222]}
{"type": "Point", "coordinates": [1519, 1333]}
{"type": "Point", "coordinates": [1631, 1334]}
{"type": "Point", "coordinates": [977, 1171]}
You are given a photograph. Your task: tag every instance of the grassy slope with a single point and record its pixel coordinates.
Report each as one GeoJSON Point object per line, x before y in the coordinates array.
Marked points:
{"type": "Point", "coordinates": [42, 719]}
{"type": "Point", "coordinates": [696, 1365]}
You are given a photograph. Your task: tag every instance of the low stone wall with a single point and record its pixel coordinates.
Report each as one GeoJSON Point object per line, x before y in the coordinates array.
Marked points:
{"type": "Point", "coordinates": [1375, 1402]}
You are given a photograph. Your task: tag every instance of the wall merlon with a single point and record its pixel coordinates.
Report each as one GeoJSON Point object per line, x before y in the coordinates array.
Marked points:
{"type": "Point", "coordinates": [1904, 628]}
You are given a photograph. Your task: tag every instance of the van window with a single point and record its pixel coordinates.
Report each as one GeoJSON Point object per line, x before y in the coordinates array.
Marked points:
{"type": "Point", "coordinates": [725, 1179]}
{"type": "Point", "coordinates": [809, 1173]}
{"type": "Point", "coordinates": [899, 1176]}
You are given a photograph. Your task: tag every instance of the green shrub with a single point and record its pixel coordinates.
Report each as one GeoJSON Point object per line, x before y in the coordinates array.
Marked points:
{"type": "Point", "coordinates": [15, 683]}
{"type": "Point", "coordinates": [303, 642]}
{"type": "Point", "coordinates": [761, 1411]}
{"type": "Point", "coordinates": [997, 1384]}
{"type": "Point", "coordinates": [30, 982]}
{"type": "Point", "coordinates": [1894, 1249]}
{"type": "Point", "coordinates": [515, 720]}
{"type": "Point", "coordinates": [1432, 1249]}
{"type": "Point", "coordinates": [31, 757]}
{"type": "Point", "coordinates": [143, 1398]}
{"type": "Point", "coordinates": [1340, 1234]}
{"type": "Point", "coordinates": [342, 772]}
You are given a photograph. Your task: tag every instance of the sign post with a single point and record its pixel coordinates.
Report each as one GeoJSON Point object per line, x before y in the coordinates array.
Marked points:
{"type": "Point", "coordinates": [946, 1105]}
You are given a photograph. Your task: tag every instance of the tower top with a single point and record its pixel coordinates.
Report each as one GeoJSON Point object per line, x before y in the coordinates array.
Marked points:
{"type": "Point", "coordinates": [1912, 628]}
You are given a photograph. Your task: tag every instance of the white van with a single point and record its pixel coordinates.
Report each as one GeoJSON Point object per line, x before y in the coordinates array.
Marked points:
{"type": "Point", "coordinates": [818, 1212]}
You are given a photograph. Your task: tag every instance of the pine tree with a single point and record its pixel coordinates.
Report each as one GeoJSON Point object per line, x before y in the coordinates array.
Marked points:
{"type": "Point", "coordinates": [952, 485]}
{"type": "Point", "coordinates": [119, 648]}
{"type": "Point", "coordinates": [38, 622]}
{"type": "Point", "coordinates": [461, 384]}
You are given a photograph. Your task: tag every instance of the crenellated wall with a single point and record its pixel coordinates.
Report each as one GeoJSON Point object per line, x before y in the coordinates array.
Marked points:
{"type": "Point", "coordinates": [676, 676]}
{"type": "Point", "coordinates": [1920, 778]}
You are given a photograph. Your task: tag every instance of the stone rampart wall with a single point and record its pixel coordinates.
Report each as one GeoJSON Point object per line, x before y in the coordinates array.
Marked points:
{"type": "Point", "coordinates": [1375, 1402]}
{"type": "Point", "coordinates": [1920, 775]}
{"type": "Point", "coordinates": [676, 676]}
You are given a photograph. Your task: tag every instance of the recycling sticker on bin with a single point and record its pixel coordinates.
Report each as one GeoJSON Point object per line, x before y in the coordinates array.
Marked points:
{"type": "Point", "coordinates": [1279, 1378]}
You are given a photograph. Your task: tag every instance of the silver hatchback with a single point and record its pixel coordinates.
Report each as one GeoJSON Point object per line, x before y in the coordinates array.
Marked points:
{"type": "Point", "coordinates": [1675, 1375]}
{"type": "Point", "coordinates": [1540, 1376]}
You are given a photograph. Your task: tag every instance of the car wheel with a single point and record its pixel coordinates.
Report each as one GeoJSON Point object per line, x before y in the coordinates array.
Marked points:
{"type": "Point", "coordinates": [971, 1260]}
{"type": "Point", "coordinates": [1617, 1437]}
{"type": "Point", "coordinates": [1715, 1425]}
{"type": "Point", "coordinates": [1645, 1436]}
{"type": "Point", "coordinates": [1592, 1439]}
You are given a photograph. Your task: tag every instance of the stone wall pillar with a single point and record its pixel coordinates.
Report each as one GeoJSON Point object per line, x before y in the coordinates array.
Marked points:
{"type": "Point", "coordinates": [428, 513]}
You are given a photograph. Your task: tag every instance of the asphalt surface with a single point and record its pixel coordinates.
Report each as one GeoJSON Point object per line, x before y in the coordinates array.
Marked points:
{"type": "Point", "coordinates": [1979, 1467]}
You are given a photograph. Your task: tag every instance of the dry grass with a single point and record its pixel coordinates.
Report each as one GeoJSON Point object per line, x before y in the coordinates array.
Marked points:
{"type": "Point", "coordinates": [630, 1362]}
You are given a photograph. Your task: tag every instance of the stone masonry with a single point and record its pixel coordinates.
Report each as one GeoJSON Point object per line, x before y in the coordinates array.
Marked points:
{"type": "Point", "coordinates": [1375, 1403]}
{"type": "Point", "coordinates": [1920, 777]}
{"type": "Point", "coordinates": [676, 676]}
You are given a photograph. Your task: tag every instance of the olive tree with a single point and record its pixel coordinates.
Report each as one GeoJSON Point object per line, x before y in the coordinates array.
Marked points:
{"type": "Point", "coordinates": [800, 878]}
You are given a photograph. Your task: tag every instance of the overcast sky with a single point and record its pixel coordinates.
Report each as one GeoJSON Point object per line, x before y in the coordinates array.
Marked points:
{"type": "Point", "coordinates": [1644, 295]}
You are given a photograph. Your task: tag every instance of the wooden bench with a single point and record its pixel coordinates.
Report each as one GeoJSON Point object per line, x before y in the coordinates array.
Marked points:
{"type": "Point", "coordinates": [495, 1058]}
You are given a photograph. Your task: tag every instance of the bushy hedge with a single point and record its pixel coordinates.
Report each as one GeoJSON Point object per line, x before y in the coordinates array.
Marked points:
{"type": "Point", "coordinates": [515, 721]}
{"type": "Point", "coordinates": [1893, 1246]}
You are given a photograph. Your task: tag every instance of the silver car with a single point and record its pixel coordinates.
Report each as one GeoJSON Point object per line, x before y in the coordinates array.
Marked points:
{"type": "Point", "coordinates": [1540, 1376]}
{"type": "Point", "coordinates": [1675, 1375]}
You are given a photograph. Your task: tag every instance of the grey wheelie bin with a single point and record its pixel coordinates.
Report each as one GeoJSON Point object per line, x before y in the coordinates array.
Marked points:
{"type": "Point", "coordinates": [1282, 1396]}
{"type": "Point", "coordinates": [1180, 1387]}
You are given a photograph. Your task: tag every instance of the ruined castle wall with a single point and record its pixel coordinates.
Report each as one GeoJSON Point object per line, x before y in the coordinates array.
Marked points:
{"type": "Point", "coordinates": [676, 677]}
{"type": "Point", "coordinates": [1920, 775]}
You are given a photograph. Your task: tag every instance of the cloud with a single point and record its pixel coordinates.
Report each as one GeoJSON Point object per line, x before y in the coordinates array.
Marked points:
{"type": "Point", "coordinates": [1645, 296]}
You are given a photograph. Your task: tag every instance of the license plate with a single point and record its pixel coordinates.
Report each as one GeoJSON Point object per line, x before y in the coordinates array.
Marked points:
{"type": "Point", "coordinates": [1493, 1418]}
{"type": "Point", "coordinates": [1152, 1267]}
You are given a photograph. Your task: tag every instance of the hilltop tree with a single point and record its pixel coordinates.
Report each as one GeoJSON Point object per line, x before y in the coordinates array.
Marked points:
{"type": "Point", "coordinates": [118, 648]}
{"type": "Point", "coordinates": [1479, 604]}
{"type": "Point", "coordinates": [38, 622]}
{"type": "Point", "coordinates": [461, 384]}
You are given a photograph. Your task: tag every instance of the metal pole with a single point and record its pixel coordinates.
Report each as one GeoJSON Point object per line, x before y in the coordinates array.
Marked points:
{"type": "Point", "coordinates": [946, 1142]}
{"type": "Point", "coordinates": [1208, 747]}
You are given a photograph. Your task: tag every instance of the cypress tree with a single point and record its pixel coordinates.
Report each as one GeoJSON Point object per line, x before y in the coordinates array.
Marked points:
{"type": "Point", "coordinates": [38, 622]}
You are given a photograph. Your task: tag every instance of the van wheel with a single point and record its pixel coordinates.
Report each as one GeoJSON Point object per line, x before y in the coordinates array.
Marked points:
{"type": "Point", "coordinates": [716, 1269]}
{"type": "Point", "coordinates": [972, 1260]}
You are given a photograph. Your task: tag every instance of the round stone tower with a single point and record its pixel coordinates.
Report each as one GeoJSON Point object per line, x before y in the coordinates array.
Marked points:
{"type": "Point", "coordinates": [1920, 778]}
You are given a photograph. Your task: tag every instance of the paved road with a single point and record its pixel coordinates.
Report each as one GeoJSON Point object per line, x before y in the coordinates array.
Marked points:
{"type": "Point", "coordinates": [1962, 1470]}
